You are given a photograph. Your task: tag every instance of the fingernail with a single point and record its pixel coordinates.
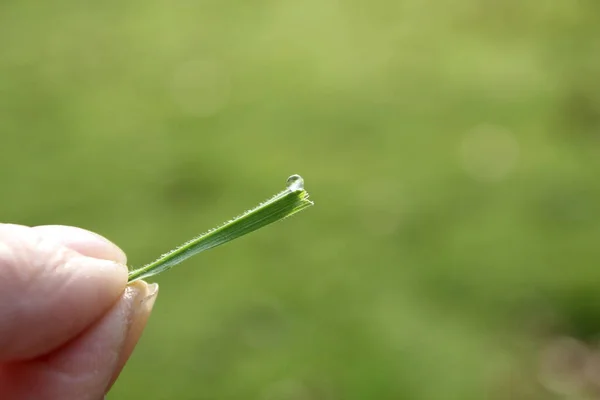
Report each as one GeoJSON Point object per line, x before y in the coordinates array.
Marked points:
{"type": "Point", "coordinates": [143, 297]}
{"type": "Point", "coordinates": [152, 293]}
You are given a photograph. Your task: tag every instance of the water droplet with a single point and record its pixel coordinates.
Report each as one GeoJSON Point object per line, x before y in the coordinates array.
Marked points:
{"type": "Point", "coordinates": [294, 183]}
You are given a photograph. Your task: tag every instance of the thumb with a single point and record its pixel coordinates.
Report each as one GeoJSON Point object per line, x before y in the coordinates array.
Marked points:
{"type": "Point", "coordinates": [86, 367]}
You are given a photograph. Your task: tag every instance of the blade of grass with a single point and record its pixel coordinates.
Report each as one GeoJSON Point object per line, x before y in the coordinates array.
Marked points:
{"type": "Point", "coordinates": [284, 204]}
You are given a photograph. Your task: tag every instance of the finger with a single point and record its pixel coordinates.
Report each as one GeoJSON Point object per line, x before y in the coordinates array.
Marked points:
{"type": "Point", "coordinates": [83, 241]}
{"type": "Point", "coordinates": [49, 293]}
{"type": "Point", "coordinates": [135, 333]}
{"type": "Point", "coordinates": [84, 367]}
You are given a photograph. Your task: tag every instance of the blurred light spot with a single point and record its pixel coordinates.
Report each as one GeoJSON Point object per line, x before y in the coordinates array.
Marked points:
{"type": "Point", "coordinates": [201, 87]}
{"type": "Point", "coordinates": [489, 153]}
{"type": "Point", "coordinates": [592, 370]}
{"type": "Point", "coordinates": [562, 364]}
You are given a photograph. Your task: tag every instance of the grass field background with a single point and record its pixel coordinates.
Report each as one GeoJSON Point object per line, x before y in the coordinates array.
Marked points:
{"type": "Point", "coordinates": [452, 149]}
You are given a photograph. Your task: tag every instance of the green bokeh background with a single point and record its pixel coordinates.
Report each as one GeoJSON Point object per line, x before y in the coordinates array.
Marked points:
{"type": "Point", "coordinates": [452, 149]}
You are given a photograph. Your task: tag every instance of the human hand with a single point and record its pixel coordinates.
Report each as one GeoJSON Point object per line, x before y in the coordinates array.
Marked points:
{"type": "Point", "coordinates": [68, 319]}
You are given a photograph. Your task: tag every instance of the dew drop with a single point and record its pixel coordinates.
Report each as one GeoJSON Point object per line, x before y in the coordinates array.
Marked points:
{"type": "Point", "coordinates": [294, 183]}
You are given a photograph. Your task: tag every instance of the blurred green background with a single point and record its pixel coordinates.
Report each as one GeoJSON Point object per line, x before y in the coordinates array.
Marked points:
{"type": "Point", "coordinates": [452, 149]}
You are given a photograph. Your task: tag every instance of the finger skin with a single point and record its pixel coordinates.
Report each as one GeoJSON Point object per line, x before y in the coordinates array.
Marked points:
{"type": "Point", "coordinates": [83, 241]}
{"type": "Point", "coordinates": [68, 323]}
{"type": "Point", "coordinates": [85, 368]}
{"type": "Point", "coordinates": [50, 293]}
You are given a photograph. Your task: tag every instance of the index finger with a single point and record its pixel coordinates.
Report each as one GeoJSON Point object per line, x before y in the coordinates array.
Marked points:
{"type": "Point", "coordinates": [49, 293]}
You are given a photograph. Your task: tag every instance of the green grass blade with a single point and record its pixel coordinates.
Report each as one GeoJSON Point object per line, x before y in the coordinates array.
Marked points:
{"type": "Point", "coordinates": [292, 200]}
